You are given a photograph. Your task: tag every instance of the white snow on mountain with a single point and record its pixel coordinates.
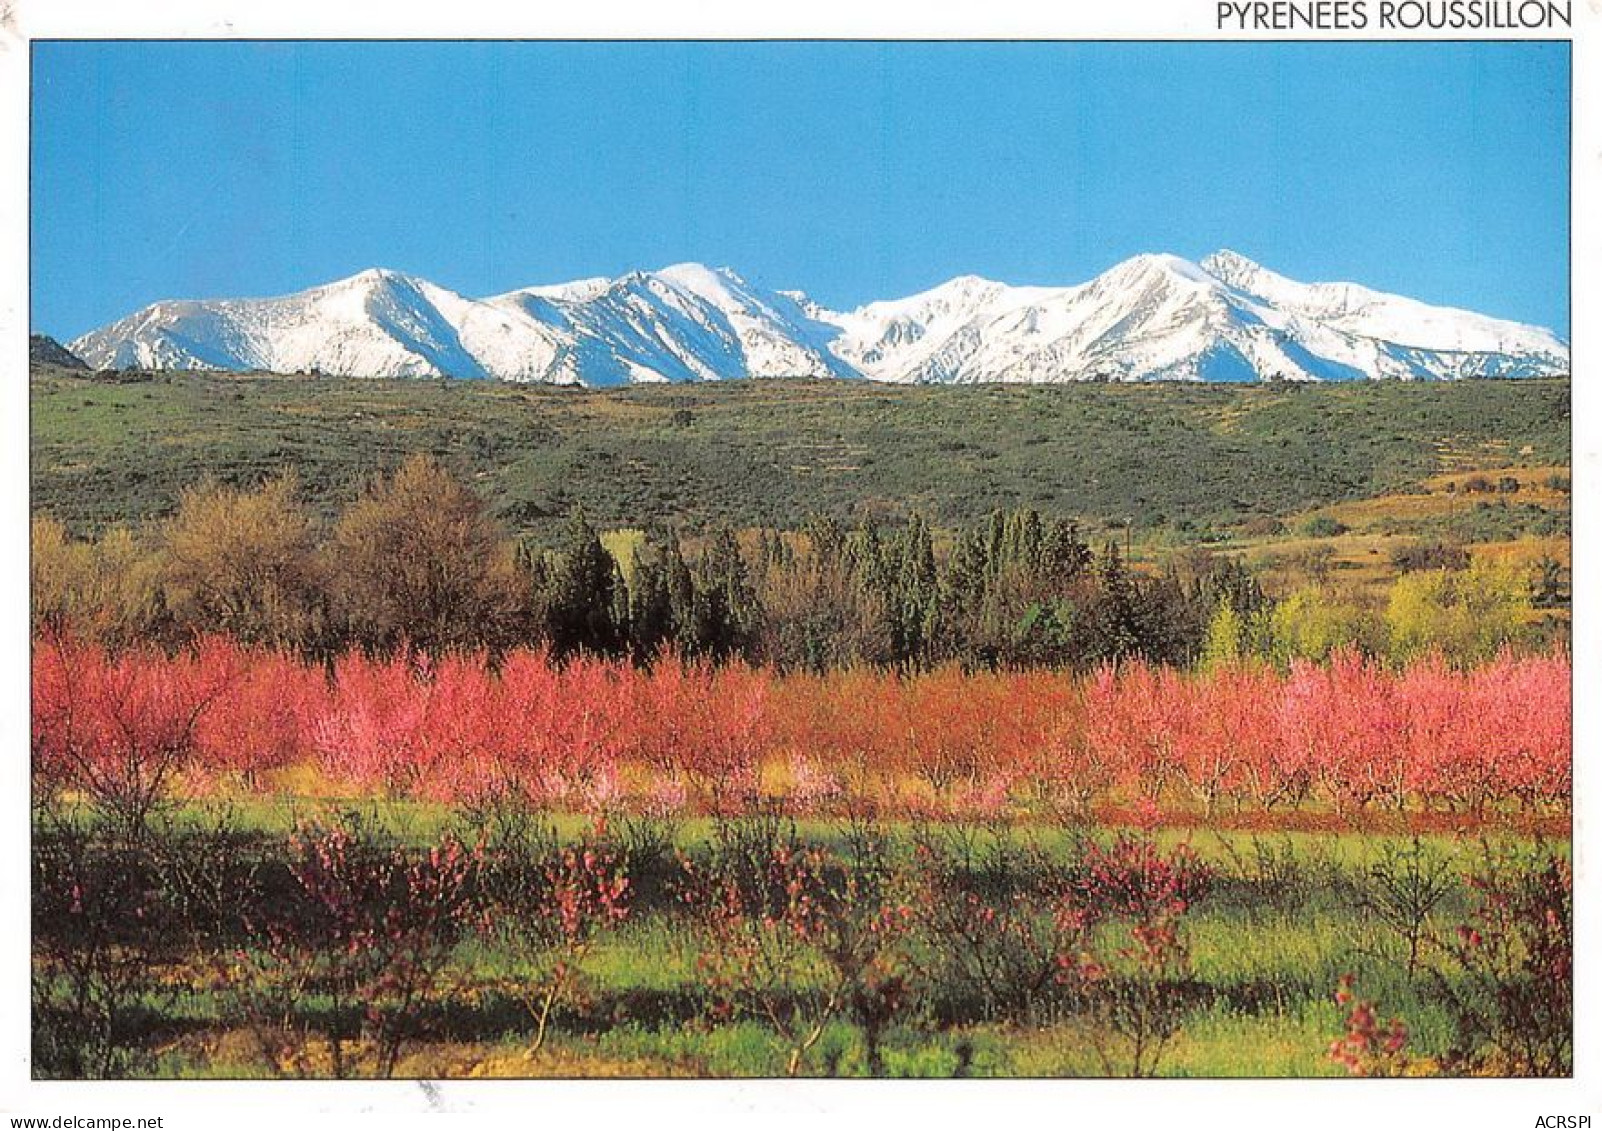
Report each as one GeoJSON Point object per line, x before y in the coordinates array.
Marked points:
{"type": "Point", "coordinates": [1371, 314]}
{"type": "Point", "coordinates": [1152, 317]}
{"type": "Point", "coordinates": [1157, 317]}
{"type": "Point", "coordinates": [378, 323]}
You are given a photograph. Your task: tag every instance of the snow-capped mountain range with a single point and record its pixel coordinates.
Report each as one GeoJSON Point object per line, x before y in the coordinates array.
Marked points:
{"type": "Point", "coordinates": [1152, 317]}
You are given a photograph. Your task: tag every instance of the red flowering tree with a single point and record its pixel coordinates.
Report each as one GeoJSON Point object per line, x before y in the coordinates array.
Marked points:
{"type": "Point", "coordinates": [552, 912]}
{"type": "Point", "coordinates": [265, 722]}
{"type": "Point", "coordinates": [792, 937]}
{"type": "Point", "coordinates": [369, 928]}
{"type": "Point", "coordinates": [121, 728]}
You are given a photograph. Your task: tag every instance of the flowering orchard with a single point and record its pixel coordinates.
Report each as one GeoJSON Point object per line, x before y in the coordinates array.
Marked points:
{"type": "Point", "coordinates": [604, 737]}
{"type": "Point", "coordinates": [931, 917]}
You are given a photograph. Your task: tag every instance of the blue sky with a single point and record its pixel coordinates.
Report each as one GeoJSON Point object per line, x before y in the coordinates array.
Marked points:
{"type": "Point", "coordinates": [854, 171]}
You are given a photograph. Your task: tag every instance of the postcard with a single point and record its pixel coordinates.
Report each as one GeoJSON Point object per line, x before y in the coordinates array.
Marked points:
{"type": "Point", "coordinates": [1034, 556]}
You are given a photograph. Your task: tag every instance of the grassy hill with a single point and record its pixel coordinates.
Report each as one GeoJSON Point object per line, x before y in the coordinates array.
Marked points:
{"type": "Point", "coordinates": [1180, 461]}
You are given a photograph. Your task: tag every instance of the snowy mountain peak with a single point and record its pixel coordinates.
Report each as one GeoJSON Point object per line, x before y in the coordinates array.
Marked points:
{"type": "Point", "coordinates": [958, 293]}
{"type": "Point", "coordinates": [578, 290]}
{"type": "Point", "coordinates": [1229, 266]}
{"type": "Point", "coordinates": [1155, 268]}
{"type": "Point", "coordinates": [1163, 263]}
{"type": "Point", "coordinates": [963, 285]}
{"type": "Point", "coordinates": [1393, 319]}
{"type": "Point", "coordinates": [373, 275]}
{"type": "Point", "coordinates": [700, 275]}
{"type": "Point", "coordinates": [372, 279]}
{"type": "Point", "coordinates": [968, 283]}
{"type": "Point", "coordinates": [1153, 316]}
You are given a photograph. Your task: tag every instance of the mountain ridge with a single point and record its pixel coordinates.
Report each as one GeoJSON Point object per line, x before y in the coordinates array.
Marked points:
{"type": "Point", "coordinates": [45, 350]}
{"type": "Point", "coordinates": [1154, 316]}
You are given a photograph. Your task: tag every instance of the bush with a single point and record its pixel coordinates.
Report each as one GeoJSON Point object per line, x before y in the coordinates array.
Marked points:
{"type": "Point", "coordinates": [1514, 1000]}
{"type": "Point", "coordinates": [992, 945]}
{"type": "Point", "coordinates": [1262, 526]}
{"type": "Point", "coordinates": [1368, 1047]}
{"type": "Point", "coordinates": [1323, 526]}
{"type": "Point", "coordinates": [96, 922]}
{"type": "Point", "coordinates": [1429, 555]}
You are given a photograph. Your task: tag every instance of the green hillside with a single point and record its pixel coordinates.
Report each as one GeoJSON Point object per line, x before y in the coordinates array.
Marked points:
{"type": "Point", "coordinates": [1180, 459]}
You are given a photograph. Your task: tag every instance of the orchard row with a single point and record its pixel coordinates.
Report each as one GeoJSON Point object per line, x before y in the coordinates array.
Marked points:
{"type": "Point", "coordinates": [128, 728]}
